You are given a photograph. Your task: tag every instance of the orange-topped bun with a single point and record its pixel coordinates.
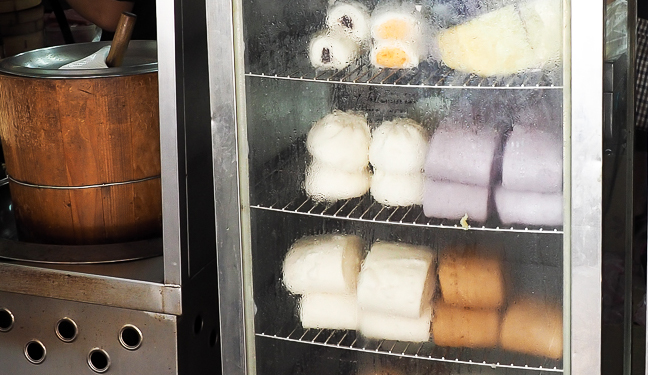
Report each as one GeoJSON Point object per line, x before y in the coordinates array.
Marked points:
{"type": "Point", "coordinates": [394, 29]}
{"type": "Point", "coordinates": [395, 54]}
{"type": "Point", "coordinates": [396, 23]}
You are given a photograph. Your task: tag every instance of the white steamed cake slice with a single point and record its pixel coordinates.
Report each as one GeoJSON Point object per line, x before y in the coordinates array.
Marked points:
{"type": "Point", "coordinates": [326, 263]}
{"type": "Point", "coordinates": [396, 278]}
{"type": "Point", "coordinates": [383, 326]}
{"type": "Point", "coordinates": [329, 311]}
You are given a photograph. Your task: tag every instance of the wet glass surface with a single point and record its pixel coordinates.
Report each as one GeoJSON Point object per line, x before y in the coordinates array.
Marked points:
{"type": "Point", "coordinates": [406, 209]}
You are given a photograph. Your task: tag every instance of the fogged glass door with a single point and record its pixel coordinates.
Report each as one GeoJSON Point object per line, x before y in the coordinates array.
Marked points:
{"type": "Point", "coordinates": [405, 186]}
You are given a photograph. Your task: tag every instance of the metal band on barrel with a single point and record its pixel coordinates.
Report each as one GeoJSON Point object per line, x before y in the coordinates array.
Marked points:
{"type": "Point", "coordinates": [82, 186]}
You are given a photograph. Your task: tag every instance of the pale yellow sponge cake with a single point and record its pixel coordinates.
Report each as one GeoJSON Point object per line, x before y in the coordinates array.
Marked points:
{"type": "Point", "coordinates": [492, 44]}
{"type": "Point", "coordinates": [506, 41]}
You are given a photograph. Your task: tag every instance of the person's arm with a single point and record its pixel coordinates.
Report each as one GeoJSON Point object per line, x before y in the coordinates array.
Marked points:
{"type": "Point", "coordinates": [103, 13]}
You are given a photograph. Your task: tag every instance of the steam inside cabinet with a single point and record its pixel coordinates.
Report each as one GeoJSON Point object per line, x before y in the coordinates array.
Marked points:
{"type": "Point", "coordinates": [406, 208]}
{"type": "Point", "coordinates": [528, 251]}
{"type": "Point", "coordinates": [491, 158]}
{"type": "Point", "coordinates": [441, 43]}
{"type": "Point", "coordinates": [531, 265]}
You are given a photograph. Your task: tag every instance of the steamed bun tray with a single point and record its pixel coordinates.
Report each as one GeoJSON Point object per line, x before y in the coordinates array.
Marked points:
{"type": "Point", "coordinates": [424, 76]}
{"type": "Point", "coordinates": [280, 189]}
{"type": "Point", "coordinates": [349, 340]}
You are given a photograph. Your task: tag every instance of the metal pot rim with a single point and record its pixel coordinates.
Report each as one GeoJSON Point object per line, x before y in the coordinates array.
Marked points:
{"type": "Point", "coordinates": [140, 58]}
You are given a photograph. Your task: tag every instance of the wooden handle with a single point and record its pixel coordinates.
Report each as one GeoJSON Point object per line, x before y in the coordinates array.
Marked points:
{"type": "Point", "coordinates": [121, 39]}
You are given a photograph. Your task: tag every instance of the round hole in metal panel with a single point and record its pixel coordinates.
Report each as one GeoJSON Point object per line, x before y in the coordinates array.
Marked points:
{"type": "Point", "coordinates": [130, 337]}
{"type": "Point", "coordinates": [198, 324]}
{"type": "Point", "coordinates": [6, 320]}
{"type": "Point", "coordinates": [66, 330]}
{"type": "Point", "coordinates": [213, 338]}
{"type": "Point", "coordinates": [98, 360]}
{"type": "Point", "coordinates": [35, 352]}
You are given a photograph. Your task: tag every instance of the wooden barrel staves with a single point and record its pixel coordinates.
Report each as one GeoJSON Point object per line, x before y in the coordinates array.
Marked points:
{"type": "Point", "coordinates": [83, 157]}
{"type": "Point", "coordinates": [21, 26]}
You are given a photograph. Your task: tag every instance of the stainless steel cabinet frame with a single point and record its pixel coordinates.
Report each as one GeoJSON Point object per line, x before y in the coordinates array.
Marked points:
{"type": "Point", "coordinates": [583, 92]}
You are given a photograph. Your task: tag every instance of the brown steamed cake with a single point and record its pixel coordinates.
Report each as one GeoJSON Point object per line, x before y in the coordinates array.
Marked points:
{"type": "Point", "coordinates": [463, 327]}
{"type": "Point", "coordinates": [533, 327]}
{"type": "Point", "coordinates": [470, 279]}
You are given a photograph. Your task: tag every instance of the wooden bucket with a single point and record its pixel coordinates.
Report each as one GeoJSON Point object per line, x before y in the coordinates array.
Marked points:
{"type": "Point", "coordinates": [83, 156]}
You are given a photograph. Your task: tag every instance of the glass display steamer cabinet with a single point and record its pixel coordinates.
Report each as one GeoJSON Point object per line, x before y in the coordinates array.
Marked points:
{"type": "Point", "coordinates": [171, 299]}
{"type": "Point", "coordinates": [265, 96]}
